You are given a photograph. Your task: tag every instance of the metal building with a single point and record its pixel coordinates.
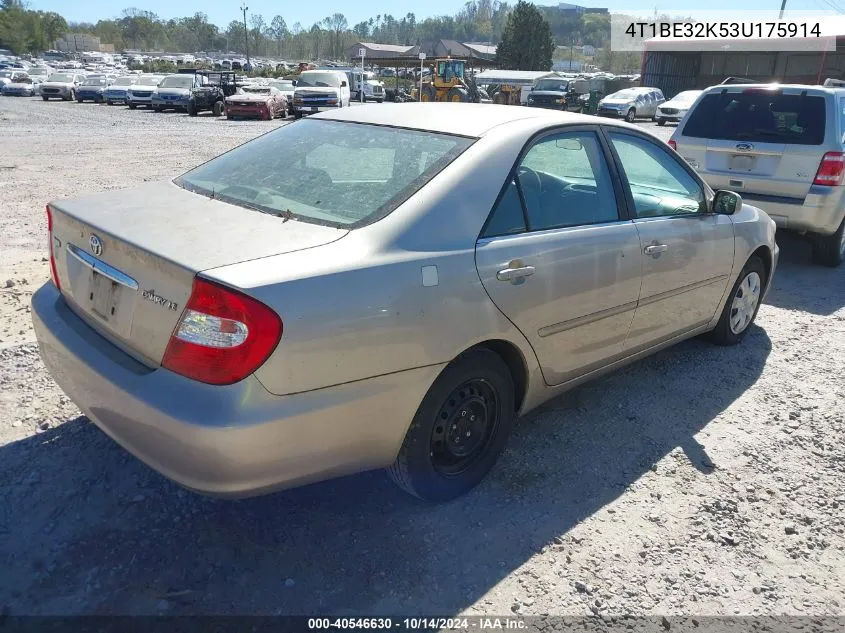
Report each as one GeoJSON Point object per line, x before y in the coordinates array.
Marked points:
{"type": "Point", "coordinates": [673, 66]}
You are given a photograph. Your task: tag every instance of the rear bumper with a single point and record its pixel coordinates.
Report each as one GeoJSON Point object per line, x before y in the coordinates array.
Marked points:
{"type": "Point", "coordinates": [822, 211]}
{"type": "Point", "coordinates": [236, 440]}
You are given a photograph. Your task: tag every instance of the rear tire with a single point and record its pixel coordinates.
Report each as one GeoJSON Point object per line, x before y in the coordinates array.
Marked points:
{"type": "Point", "coordinates": [742, 305]}
{"type": "Point", "coordinates": [829, 250]}
{"type": "Point", "coordinates": [191, 108]}
{"type": "Point", "coordinates": [440, 459]}
{"type": "Point", "coordinates": [217, 108]}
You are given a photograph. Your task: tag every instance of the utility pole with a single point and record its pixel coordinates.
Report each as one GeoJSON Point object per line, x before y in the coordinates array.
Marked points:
{"type": "Point", "coordinates": [782, 7]}
{"type": "Point", "coordinates": [245, 8]}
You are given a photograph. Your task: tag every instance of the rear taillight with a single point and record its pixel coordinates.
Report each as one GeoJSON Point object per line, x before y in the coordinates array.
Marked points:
{"type": "Point", "coordinates": [673, 145]}
{"type": "Point", "coordinates": [830, 169]}
{"type": "Point", "coordinates": [223, 335]}
{"type": "Point", "coordinates": [54, 275]}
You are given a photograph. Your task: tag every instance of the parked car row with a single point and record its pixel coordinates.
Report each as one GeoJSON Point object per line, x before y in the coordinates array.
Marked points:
{"type": "Point", "coordinates": [191, 91]}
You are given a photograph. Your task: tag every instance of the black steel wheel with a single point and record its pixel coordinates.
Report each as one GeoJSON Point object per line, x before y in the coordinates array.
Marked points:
{"type": "Point", "coordinates": [467, 420]}
{"type": "Point", "coordinates": [459, 430]}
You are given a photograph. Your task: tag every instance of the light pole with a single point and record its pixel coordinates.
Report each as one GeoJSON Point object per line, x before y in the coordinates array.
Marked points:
{"type": "Point", "coordinates": [245, 8]}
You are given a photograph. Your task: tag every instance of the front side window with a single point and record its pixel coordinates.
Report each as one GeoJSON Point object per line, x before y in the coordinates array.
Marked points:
{"type": "Point", "coordinates": [327, 172]}
{"type": "Point", "coordinates": [659, 185]}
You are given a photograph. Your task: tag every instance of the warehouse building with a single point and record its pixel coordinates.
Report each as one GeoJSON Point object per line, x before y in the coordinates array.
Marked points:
{"type": "Point", "coordinates": [674, 66]}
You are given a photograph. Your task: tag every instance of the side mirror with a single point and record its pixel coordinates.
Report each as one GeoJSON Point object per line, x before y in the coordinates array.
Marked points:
{"type": "Point", "coordinates": [726, 202]}
{"type": "Point", "coordinates": [343, 84]}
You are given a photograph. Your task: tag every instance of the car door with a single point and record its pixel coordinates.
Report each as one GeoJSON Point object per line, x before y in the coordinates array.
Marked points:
{"type": "Point", "coordinates": [686, 251]}
{"type": "Point", "coordinates": [558, 255]}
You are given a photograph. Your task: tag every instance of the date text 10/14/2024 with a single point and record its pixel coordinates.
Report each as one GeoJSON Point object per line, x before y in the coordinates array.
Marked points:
{"type": "Point", "coordinates": [476, 623]}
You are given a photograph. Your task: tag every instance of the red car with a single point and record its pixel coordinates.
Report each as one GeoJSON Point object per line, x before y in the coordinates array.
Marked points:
{"type": "Point", "coordinates": [264, 102]}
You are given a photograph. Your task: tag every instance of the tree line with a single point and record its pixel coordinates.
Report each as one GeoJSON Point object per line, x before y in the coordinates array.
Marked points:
{"type": "Point", "coordinates": [24, 30]}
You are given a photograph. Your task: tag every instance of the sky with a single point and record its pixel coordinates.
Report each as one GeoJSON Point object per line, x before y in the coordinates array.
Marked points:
{"type": "Point", "coordinates": [221, 12]}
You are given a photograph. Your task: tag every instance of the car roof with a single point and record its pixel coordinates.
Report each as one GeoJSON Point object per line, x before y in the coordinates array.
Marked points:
{"type": "Point", "coordinates": [775, 86]}
{"type": "Point", "coordinates": [463, 119]}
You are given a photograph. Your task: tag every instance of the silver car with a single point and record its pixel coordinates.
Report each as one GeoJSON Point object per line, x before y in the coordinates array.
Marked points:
{"type": "Point", "coordinates": [782, 147]}
{"type": "Point", "coordinates": [385, 286]}
{"type": "Point", "coordinates": [676, 108]}
{"type": "Point", "coordinates": [118, 92]}
{"type": "Point", "coordinates": [61, 85]}
{"type": "Point", "coordinates": [286, 87]}
{"type": "Point", "coordinates": [631, 104]}
{"type": "Point", "coordinates": [141, 92]}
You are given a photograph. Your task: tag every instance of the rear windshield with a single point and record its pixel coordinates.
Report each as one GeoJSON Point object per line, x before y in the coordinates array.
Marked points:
{"type": "Point", "coordinates": [761, 116]}
{"type": "Point", "coordinates": [327, 172]}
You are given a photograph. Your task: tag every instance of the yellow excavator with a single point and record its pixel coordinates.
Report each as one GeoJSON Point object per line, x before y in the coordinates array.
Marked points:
{"type": "Point", "coordinates": [446, 83]}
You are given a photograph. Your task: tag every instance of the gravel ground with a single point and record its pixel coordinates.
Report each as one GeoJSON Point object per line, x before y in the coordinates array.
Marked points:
{"type": "Point", "coordinates": [701, 481]}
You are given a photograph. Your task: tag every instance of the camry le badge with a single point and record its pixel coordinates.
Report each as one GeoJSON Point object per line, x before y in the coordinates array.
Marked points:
{"type": "Point", "coordinates": [95, 244]}
{"type": "Point", "coordinates": [150, 295]}
{"type": "Point", "coordinates": [744, 147]}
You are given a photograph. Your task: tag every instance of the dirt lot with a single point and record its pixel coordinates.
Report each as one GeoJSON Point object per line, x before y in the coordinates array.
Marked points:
{"type": "Point", "coordinates": [700, 481]}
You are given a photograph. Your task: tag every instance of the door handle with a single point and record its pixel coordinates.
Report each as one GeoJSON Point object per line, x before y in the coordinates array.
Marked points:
{"type": "Point", "coordinates": [655, 249]}
{"type": "Point", "coordinates": [514, 271]}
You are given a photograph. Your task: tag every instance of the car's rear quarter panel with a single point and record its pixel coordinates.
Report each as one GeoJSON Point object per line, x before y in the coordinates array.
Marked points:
{"type": "Point", "coordinates": [358, 308]}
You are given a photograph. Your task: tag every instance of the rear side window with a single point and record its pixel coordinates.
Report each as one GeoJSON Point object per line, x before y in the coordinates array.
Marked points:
{"type": "Point", "coordinates": [762, 116]}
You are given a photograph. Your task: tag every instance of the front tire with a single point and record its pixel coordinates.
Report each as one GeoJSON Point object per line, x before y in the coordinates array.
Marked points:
{"type": "Point", "coordinates": [829, 250]}
{"type": "Point", "coordinates": [742, 304]}
{"type": "Point", "coordinates": [132, 106]}
{"type": "Point", "coordinates": [631, 115]}
{"type": "Point", "coordinates": [459, 430]}
{"type": "Point", "coordinates": [661, 122]}
{"type": "Point", "coordinates": [191, 108]}
{"type": "Point", "coordinates": [43, 98]}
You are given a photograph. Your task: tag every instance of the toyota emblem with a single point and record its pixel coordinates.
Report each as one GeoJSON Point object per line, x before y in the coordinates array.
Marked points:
{"type": "Point", "coordinates": [96, 245]}
{"type": "Point", "coordinates": [744, 147]}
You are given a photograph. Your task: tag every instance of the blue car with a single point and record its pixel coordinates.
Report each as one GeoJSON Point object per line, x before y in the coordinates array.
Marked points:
{"type": "Point", "coordinates": [92, 88]}
{"type": "Point", "coordinates": [118, 91]}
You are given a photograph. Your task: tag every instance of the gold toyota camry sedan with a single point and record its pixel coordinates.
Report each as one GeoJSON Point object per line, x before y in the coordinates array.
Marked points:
{"type": "Point", "coordinates": [385, 287]}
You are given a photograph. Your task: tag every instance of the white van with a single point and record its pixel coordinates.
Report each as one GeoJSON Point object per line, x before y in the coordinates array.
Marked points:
{"type": "Point", "coordinates": [320, 90]}
{"type": "Point", "coordinates": [368, 82]}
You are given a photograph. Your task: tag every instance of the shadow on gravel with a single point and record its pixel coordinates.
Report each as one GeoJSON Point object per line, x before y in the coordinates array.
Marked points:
{"type": "Point", "coordinates": [88, 528]}
{"type": "Point", "coordinates": [800, 284]}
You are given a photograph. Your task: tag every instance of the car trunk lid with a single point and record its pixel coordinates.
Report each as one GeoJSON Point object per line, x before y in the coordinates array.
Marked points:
{"type": "Point", "coordinates": [126, 260]}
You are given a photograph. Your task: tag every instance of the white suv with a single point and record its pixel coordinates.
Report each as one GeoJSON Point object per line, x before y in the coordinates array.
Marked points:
{"type": "Point", "coordinates": [781, 148]}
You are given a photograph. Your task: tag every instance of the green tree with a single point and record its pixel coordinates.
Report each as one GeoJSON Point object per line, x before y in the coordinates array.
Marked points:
{"type": "Point", "coordinates": [527, 42]}
{"type": "Point", "coordinates": [279, 30]}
